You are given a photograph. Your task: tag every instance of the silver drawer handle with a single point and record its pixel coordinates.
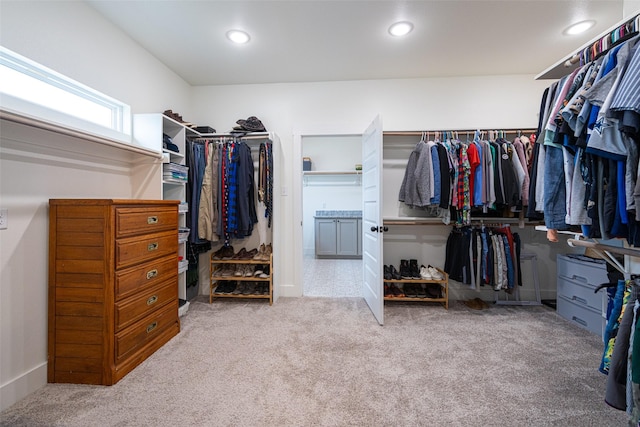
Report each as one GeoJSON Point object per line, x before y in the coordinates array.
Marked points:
{"type": "Point", "coordinates": [152, 326]}
{"type": "Point", "coordinates": [152, 300]}
{"type": "Point", "coordinates": [580, 278]}
{"type": "Point", "coordinates": [580, 300]}
{"type": "Point", "coordinates": [152, 220]}
{"type": "Point", "coordinates": [151, 274]}
{"type": "Point", "coordinates": [152, 246]}
{"type": "Point", "coordinates": [579, 320]}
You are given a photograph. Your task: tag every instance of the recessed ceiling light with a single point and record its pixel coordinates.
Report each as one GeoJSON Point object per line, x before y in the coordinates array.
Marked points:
{"type": "Point", "coordinates": [578, 28]}
{"type": "Point", "coordinates": [400, 28]}
{"type": "Point", "coordinates": [237, 36]}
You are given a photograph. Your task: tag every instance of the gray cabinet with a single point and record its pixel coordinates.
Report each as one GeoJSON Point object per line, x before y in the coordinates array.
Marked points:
{"type": "Point", "coordinates": [577, 301]}
{"type": "Point", "coordinates": [338, 237]}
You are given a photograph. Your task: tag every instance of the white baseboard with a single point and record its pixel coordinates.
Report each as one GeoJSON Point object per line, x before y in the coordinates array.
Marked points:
{"type": "Point", "coordinates": [22, 386]}
{"type": "Point", "coordinates": [290, 291]}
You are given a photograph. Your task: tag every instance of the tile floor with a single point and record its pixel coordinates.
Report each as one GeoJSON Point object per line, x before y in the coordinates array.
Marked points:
{"type": "Point", "coordinates": [334, 278]}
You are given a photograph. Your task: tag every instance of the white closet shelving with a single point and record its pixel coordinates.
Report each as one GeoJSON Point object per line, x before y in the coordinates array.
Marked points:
{"type": "Point", "coordinates": [148, 129]}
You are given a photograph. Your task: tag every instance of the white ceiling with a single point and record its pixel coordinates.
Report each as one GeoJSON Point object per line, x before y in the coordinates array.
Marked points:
{"type": "Point", "coordinates": [323, 40]}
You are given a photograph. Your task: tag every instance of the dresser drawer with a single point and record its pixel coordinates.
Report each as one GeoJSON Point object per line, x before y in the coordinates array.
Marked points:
{"type": "Point", "coordinates": [146, 275]}
{"type": "Point", "coordinates": [580, 293]}
{"type": "Point", "coordinates": [134, 250]}
{"type": "Point", "coordinates": [134, 221]}
{"type": "Point", "coordinates": [587, 273]}
{"type": "Point", "coordinates": [582, 316]}
{"type": "Point", "coordinates": [146, 330]}
{"type": "Point", "coordinates": [140, 305]}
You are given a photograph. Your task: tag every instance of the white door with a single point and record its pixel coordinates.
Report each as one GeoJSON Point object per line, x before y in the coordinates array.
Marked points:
{"type": "Point", "coordinates": [372, 218]}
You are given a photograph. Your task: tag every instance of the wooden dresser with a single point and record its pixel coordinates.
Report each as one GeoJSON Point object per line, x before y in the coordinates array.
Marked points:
{"type": "Point", "coordinates": [113, 286]}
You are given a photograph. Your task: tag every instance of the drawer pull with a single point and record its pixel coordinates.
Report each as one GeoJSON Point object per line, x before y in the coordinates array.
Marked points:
{"type": "Point", "coordinates": [152, 220]}
{"type": "Point", "coordinates": [579, 320]}
{"type": "Point", "coordinates": [580, 278]}
{"type": "Point", "coordinates": [152, 246]}
{"type": "Point", "coordinates": [580, 300]}
{"type": "Point", "coordinates": [151, 274]}
{"type": "Point", "coordinates": [152, 300]}
{"type": "Point", "coordinates": [152, 326]}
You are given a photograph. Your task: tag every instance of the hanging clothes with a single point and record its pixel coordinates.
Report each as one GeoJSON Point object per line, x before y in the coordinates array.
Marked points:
{"type": "Point", "coordinates": [484, 256]}
{"type": "Point", "coordinates": [223, 188]}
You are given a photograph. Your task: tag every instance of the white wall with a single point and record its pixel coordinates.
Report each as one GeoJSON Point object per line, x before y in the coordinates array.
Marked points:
{"type": "Point", "coordinates": [70, 38]}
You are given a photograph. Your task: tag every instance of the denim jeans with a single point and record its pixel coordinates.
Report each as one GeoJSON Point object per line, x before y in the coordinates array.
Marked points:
{"type": "Point", "coordinates": [555, 208]}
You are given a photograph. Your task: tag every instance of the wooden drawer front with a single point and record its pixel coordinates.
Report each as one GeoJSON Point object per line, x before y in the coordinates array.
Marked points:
{"type": "Point", "coordinates": [144, 276]}
{"type": "Point", "coordinates": [580, 294]}
{"type": "Point", "coordinates": [583, 272]}
{"type": "Point", "coordinates": [582, 316]}
{"type": "Point", "coordinates": [139, 249]}
{"type": "Point", "coordinates": [144, 220]}
{"type": "Point", "coordinates": [144, 331]}
{"type": "Point", "coordinates": [135, 308]}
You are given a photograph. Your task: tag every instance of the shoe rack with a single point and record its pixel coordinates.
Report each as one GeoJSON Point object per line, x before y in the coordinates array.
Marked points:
{"type": "Point", "coordinates": [392, 286]}
{"type": "Point", "coordinates": [225, 264]}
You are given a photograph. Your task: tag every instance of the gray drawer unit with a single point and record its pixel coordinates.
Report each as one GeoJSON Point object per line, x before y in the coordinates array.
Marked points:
{"type": "Point", "coordinates": [577, 300]}
{"type": "Point", "coordinates": [581, 316]}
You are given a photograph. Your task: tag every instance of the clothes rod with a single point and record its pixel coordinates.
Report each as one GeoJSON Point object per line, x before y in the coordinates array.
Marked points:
{"type": "Point", "coordinates": [419, 133]}
{"type": "Point", "coordinates": [603, 247]}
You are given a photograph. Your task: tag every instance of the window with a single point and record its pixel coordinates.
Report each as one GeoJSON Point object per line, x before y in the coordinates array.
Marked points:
{"type": "Point", "coordinates": [30, 89]}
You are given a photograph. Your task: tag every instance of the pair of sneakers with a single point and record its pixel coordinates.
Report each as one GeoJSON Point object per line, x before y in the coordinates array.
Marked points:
{"type": "Point", "coordinates": [244, 270]}
{"type": "Point", "coordinates": [430, 273]}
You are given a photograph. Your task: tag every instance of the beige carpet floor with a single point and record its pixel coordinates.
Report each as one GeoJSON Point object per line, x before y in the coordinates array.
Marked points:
{"type": "Point", "coordinates": [326, 362]}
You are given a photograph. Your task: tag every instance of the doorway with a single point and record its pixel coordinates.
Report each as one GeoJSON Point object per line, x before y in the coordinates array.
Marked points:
{"type": "Point", "coordinates": [331, 198]}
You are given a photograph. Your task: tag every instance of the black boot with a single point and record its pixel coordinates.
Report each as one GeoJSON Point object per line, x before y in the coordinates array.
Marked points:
{"type": "Point", "coordinates": [413, 268]}
{"type": "Point", "coordinates": [405, 270]}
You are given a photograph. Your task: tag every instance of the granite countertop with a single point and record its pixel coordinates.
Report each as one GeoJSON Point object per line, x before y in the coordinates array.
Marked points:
{"type": "Point", "coordinates": [338, 214]}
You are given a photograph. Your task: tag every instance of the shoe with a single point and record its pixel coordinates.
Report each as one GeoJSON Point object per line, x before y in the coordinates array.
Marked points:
{"type": "Point", "coordinates": [266, 256]}
{"type": "Point", "coordinates": [265, 273]}
{"type": "Point", "coordinates": [425, 274]}
{"type": "Point", "coordinates": [476, 304]}
{"type": "Point", "coordinates": [217, 254]}
{"type": "Point", "coordinates": [239, 270]}
{"type": "Point", "coordinates": [240, 288]}
{"type": "Point", "coordinates": [227, 252]}
{"type": "Point", "coordinates": [240, 255]}
{"type": "Point", "coordinates": [387, 291]}
{"type": "Point", "coordinates": [395, 274]}
{"type": "Point", "coordinates": [410, 290]}
{"type": "Point", "coordinates": [248, 270]}
{"type": "Point", "coordinates": [397, 292]}
{"type": "Point", "coordinates": [258, 256]}
{"type": "Point", "coordinates": [405, 271]}
{"type": "Point", "coordinates": [250, 254]}
{"type": "Point", "coordinates": [225, 287]}
{"type": "Point", "coordinates": [413, 269]}
{"type": "Point", "coordinates": [435, 273]}
{"type": "Point", "coordinates": [228, 270]}
{"type": "Point", "coordinates": [249, 289]}
{"type": "Point", "coordinates": [387, 273]}
{"type": "Point", "coordinates": [258, 271]}
{"type": "Point", "coordinates": [433, 290]}
{"type": "Point", "coordinates": [420, 291]}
